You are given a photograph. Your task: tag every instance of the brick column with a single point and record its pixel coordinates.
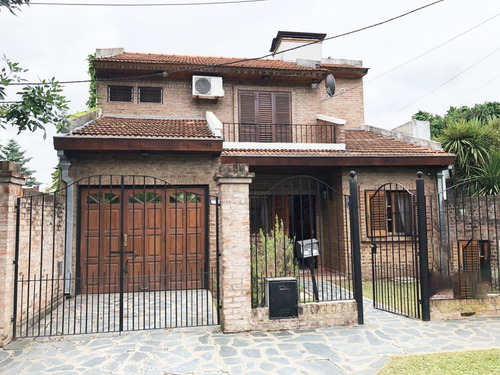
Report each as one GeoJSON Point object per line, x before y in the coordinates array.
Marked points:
{"type": "Point", "coordinates": [11, 183]}
{"type": "Point", "coordinates": [233, 182]}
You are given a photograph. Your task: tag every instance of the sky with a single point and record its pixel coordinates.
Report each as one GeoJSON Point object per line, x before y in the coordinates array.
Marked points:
{"type": "Point", "coordinates": [54, 41]}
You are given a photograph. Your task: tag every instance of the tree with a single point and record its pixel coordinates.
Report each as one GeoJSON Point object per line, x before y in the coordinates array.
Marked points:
{"type": "Point", "coordinates": [13, 5]}
{"type": "Point", "coordinates": [40, 104]}
{"type": "Point", "coordinates": [13, 152]}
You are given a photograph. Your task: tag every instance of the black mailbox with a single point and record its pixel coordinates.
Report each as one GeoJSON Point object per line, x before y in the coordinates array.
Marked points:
{"type": "Point", "coordinates": [282, 297]}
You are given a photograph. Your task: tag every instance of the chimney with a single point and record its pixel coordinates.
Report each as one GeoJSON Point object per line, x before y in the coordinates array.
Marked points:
{"type": "Point", "coordinates": [309, 55]}
{"type": "Point", "coordinates": [108, 52]}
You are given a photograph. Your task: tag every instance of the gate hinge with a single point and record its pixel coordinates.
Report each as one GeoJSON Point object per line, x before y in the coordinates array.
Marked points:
{"type": "Point", "coordinates": [14, 262]}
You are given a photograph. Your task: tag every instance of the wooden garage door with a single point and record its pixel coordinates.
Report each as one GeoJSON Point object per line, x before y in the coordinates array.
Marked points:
{"type": "Point", "coordinates": [163, 243]}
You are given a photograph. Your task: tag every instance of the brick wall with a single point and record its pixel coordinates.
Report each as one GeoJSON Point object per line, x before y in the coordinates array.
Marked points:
{"type": "Point", "coordinates": [179, 102]}
{"type": "Point", "coordinates": [372, 179]}
{"type": "Point", "coordinates": [11, 183]}
{"type": "Point", "coordinates": [41, 258]}
{"type": "Point", "coordinates": [233, 181]}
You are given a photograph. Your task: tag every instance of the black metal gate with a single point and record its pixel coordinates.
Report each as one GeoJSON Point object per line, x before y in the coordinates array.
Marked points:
{"type": "Point", "coordinates": [115, 253]}
{"type": "Point", "coordinates": [303, 228]}
{"type": "Point", "coordinates": [398, 231]}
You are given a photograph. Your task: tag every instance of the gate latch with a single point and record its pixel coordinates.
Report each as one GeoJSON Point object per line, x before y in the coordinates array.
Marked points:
{"type": "Point", "coordinates": [374, 248]}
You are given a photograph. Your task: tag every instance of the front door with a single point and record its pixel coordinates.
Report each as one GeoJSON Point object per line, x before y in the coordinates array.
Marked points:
{"type": "Point", "coordinates": [159, 232]}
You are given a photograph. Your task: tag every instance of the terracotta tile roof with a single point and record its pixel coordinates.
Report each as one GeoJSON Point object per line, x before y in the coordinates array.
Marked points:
{"type": "Point", "coordinates": [206, 60]}
{"type": "Point", "coordinates": [288, 153]}
{"type": "Point", "coordinates": [106, 126]}
{"type": "Point", "coordinates": [358, 143]}
{"type": "Point", "coordinates": [364, 143]}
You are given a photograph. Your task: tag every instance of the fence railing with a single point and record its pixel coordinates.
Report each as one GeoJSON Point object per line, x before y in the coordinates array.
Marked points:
{"type": "Point", "coordinates": [464, 244]}
{"type": "Point", "coordinates": [280, 133]}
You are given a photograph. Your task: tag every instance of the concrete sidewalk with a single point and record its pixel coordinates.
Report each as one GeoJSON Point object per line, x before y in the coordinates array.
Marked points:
{"type": "Point", "coordinates": [344, 350]}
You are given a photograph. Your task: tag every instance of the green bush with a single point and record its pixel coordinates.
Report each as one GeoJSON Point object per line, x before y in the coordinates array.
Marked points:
{"type": "Point", "coordinates": [272, 256]}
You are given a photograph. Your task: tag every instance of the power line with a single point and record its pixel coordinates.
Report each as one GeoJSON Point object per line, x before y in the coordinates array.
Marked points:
{"type": "Point", "coordinates": [198, 68]}
{"type": "Point", "coordinates": [432, 49]}
{"type": "Point", "coordinates": [421, 55]}
{"type": "Point", "coordinates": [445, 83]}
{"type": "Point", "coordinates": [146, 4]}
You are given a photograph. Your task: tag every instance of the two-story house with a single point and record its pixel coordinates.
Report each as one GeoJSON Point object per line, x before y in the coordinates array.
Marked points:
{"type": "Point", "coordinates": [183, 121]}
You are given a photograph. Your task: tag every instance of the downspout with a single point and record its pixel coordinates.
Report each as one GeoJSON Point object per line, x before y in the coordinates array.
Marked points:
{"type": "Point", "coordinates": [65, 164]}
{"type": "Point", "coordinates": [441, 193]}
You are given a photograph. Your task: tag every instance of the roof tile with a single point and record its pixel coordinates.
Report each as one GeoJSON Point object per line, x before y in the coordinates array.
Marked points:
{"type": "Point", "coordinates": [106, 126]}
{"type": "Point", "coordinates": [207, 60]}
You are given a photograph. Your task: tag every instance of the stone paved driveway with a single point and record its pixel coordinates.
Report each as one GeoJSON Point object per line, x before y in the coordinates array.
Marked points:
{"type": "Point", "coordinates": [344, 350]}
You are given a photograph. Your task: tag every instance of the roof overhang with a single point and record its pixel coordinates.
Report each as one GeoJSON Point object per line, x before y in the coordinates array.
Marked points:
{"type": "Point", "coordinates": [116, 70]}
{"type": "Point", "coordinates": [341, 161]}
{"type": "Point", "coordinates": [137, 145]}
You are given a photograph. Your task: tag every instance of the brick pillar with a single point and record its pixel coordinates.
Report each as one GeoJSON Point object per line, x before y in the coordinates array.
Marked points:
{"type": "Point", "coordinates": [11, 183]}
{"type": "Point", "coordinates": [233, 182]}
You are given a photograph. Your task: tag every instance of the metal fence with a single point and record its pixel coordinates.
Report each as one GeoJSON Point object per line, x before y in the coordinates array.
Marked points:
{"type": "Point", "coordinates": [115, 253]}
{"type": "Point", "coordinates": [283, 133]}
{"type": "Point", "coordinates": [464, 242]}
{"type": "Point", "coordinates": [301, 228]}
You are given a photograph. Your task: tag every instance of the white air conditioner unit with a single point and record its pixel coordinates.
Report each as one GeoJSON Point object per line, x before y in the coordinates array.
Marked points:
{"type": "Point", "coordinates": [205, 87]}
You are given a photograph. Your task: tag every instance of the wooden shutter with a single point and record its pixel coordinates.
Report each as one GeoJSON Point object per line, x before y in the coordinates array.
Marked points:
{"type": "Point", "coordinates": [376, 213]}
{"type": "Point", "coordinates": [265, 116]}
{"type": "Point", "coordinates": [247, 115]}
{"type": "Point", "coordinates": [283, 117]}
{"type": "Point", "coordinates": [469, 255]}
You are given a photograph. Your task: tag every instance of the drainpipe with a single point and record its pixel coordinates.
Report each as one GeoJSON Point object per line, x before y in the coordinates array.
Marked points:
{"type": "Point", "coordinates": [65, 164]}
{"type": "Point", "coordinates": [441, 187]}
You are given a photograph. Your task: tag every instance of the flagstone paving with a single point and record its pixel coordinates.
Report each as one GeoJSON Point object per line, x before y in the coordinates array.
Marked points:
{"type": "Point", "coordinates": [343, 350]}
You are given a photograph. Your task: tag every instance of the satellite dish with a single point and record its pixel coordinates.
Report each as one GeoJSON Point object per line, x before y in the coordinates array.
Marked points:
{"type": "Point", "coordinates": [330, 85]}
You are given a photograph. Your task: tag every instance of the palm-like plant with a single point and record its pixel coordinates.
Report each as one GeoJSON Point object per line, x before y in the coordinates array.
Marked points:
{"type": "Point", "coordinates": [486, 176]}
{"type": "Point", "coordinates": [470, 142]}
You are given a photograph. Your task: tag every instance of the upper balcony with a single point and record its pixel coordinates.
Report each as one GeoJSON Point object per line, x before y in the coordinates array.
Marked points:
{"type": "Point", "coordinates": [326, 131]}
{"type": "Point", "coordinates": [280, 133]}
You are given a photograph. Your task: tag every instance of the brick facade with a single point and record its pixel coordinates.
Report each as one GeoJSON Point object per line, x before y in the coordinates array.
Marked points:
{"type": "Point", "coordinates": [178, 101]}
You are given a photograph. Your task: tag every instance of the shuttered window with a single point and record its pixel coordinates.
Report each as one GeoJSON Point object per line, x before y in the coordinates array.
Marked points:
{"type": "Point", "coordinates": [389, 213]}
{"type": "Point", "coordinates": [265, 116]}
{"type": "Point", "coordinates": [120, 93]}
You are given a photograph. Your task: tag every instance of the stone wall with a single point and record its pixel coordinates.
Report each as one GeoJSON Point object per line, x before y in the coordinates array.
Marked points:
{"type": "Point", "coordinates": [311, 316]}
{"type": "Point", "coordinates": [444, 309]}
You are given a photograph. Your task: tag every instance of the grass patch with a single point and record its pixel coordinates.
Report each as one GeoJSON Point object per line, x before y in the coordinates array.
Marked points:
{"type": "Point", "coordinates": [470, 362]}
{"type": "Point", "coordinates": [396, 296]}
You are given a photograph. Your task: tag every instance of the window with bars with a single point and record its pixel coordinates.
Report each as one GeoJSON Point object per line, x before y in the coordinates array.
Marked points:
{"type": "Point", "coordinates": [389, 213]}
{"type": "Point", "coordinates": [150, 95]}
{"type": "Point", "coordinates": [265, 116]}
{"type": "Point", "coordinates": [120, 93]}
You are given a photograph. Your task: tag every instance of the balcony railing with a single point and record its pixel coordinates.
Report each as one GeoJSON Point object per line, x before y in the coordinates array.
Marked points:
{"type": "Point", "coordinates": [280, 133]}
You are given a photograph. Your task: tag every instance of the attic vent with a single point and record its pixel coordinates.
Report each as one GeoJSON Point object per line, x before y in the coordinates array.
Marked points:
{"type": "Point", "coordinates": [202, 85]}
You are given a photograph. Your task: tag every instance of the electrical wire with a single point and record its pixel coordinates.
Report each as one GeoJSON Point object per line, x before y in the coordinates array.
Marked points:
{"type": "Point", "coordinates": [445, 83]}
{"type": "Point", "coordinates": [146, 4]}
{"type": "Point", "coordinates": [419, 56]}
{"type": "Point", "coordinates": [198, 68]}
